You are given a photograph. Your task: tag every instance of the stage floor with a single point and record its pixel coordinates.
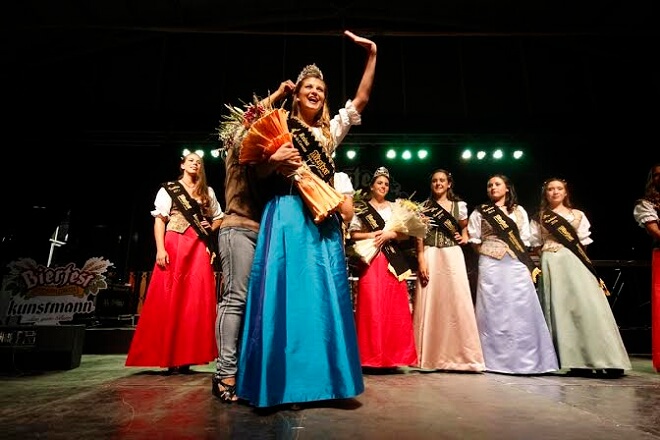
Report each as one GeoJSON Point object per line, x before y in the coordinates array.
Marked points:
{"type": "Point", "coordinates": [102, 399]}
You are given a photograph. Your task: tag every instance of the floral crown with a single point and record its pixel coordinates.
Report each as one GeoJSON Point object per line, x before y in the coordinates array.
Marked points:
{"type": "Point", "coordinates": [309, 70]}
{"type": "Point", "coordinates": [381, 171]}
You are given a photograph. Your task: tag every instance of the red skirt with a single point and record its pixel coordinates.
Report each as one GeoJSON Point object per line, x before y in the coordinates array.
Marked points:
{"type": "Point", "coordinates": [655, 308]}
{"type": "Point", "coordinates": [383, 318]}
{"type": "Point", "coordinates": [177, 321]}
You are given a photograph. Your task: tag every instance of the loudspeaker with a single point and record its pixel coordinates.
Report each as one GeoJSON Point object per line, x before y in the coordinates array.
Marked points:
{"type": "Point", "coordinates": [41, 347]}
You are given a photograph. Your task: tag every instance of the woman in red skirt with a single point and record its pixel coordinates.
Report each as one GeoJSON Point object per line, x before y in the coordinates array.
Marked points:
{"type": "Point", "coordinates": [176, 328]}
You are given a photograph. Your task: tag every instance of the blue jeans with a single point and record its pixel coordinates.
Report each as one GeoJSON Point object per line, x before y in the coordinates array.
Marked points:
{"type": "Point", "coordinates": [236, 251]}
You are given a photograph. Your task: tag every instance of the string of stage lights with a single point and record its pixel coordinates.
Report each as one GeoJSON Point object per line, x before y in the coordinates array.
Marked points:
{"type": "Point", "coordinates": [407, 154]}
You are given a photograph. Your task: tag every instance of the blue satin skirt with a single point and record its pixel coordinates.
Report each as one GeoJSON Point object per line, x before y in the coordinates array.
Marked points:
{"type": "Point", "coordinates": [299, 341]}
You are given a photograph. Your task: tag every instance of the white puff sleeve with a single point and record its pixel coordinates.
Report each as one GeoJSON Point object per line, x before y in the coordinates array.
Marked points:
{"type": "Point", "coordinates": [215, 206]}
{"type": "Point", "coordinates": [162, 204]}
{"type": "Point", "coordinates": [343, 184]}
{"type": "Point", "coordinates": [343, 121]}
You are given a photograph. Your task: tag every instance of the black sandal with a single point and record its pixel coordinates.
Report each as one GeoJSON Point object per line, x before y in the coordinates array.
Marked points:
{"type": "Point", "coordinates": [227, 394]}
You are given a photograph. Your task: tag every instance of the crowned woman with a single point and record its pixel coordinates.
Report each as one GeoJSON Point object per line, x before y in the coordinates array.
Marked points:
{"type": "Point", "coordinates": [382, 311]}
{"type": "Point", "coordinates": [299, 341]}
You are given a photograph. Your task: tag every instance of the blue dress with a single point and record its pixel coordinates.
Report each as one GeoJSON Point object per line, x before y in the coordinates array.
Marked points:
{"type": "Point", "coordinates": [299, 341]}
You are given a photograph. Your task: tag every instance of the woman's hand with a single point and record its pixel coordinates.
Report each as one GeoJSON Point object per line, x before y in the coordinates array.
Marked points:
{"type": "Point", "coordinates": [422, 271]}
{"type": "Point", "coordinates": [381, 237]}
{"type": "Point", "coordinates": [162, 259]}
{"type": "Point", "coordinates": [363, 92]}
{"type": "Point", "coordinates": [460, 238]}
{"type": "Point", "coordinates": [286, 87]}
{"type": "Point", "coordinates": [369, 45]}
{"type": "Point", "coordinates": [287, 159]}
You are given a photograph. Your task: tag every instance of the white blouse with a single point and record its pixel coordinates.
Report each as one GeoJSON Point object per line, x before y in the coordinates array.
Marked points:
{"type": "Point", "coordinates": [339, 126]}
{"type": "Point", "coordinates": [343, 184]}
{"type": "Point", "coordinates": [645, 212]}
{"type": "Point", "coordinates": [474, 224]}
{"type": "Point", "coordinates": [356, 223]}
{"type": "Point", "coordinates": [583, 230]}
{"type": "Point", "coordinates": [163, 204]}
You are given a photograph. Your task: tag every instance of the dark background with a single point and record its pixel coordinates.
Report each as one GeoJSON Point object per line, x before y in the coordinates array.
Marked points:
{"type": "Point", "coordinates": [100, 97]}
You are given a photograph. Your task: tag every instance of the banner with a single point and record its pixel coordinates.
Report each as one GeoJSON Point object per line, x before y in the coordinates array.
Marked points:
{"type": "Point", "coordinates": [36, 294]}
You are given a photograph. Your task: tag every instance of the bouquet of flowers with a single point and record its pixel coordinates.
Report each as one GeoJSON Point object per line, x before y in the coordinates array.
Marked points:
{"type": "Point", "coordinates": [407, 217]}
{"type": "Point", "coordinates": [266, 130]}
{"type": "Point", "coordinates": [264, 136]}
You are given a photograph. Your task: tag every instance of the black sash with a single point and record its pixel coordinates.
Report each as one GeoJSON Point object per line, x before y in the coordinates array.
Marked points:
{"type": "Point", "coordinates": [443, 219]}
{"type": "Point", "coordinates": [507, 231]}
{"type": "Point", "coordinates": [191, 210]}
{"type": "Point", "coordinates": [562, 230]}
{"type": "Point", "coordinates": [372, 221]}
{"type": "Point", "coordinates": [311, 150]}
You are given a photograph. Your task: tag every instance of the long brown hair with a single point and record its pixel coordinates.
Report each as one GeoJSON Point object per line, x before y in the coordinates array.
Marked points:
{"type": "Point", "coordinates": [511, 198]}
{"type": "Point", "coordinates": [201, 191]}
{"type": "Point", "coordinates": [651, 192]}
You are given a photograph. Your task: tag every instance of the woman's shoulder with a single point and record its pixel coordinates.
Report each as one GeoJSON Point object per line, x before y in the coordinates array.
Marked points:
{"type": "Point", "coordinates": [578, 212]}
{"type": "Point", "coordinates": [519, 208]}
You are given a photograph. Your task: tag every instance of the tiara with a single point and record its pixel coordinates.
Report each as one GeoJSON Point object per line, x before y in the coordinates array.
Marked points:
{"type": "Point", "coordinates": [309, 70]}
{"type": "Point", "coordinates": [381, 171]}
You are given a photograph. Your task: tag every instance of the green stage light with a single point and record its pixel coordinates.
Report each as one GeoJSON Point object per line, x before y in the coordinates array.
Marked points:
{"type": "Point", "coordinates": [406, 155]}
{"type": "Point", "coordinates": [215, 153]}
{"type": "Point", "coordinates": [422, 154]}
{"type": "Point", "coordinates": [498, 154]}
{"type": "Point", "coordinates": [391, 154]}
{"type": "Point", "coordinates": [517, 154]}
{"type": "Point", "coordinates": [481, 154]}
{"type": "Point", "coordinates": [350, 154]}
{"type": "Point", "coordinates": [466, 154]}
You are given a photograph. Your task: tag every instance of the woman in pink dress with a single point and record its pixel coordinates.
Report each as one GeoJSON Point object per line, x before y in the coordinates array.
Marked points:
{"type": "Point", "coordinates": [445, 325]}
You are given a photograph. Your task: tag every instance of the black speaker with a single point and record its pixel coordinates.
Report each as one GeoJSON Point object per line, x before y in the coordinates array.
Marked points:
{"type": "Point", "coordinates": [41, 347]}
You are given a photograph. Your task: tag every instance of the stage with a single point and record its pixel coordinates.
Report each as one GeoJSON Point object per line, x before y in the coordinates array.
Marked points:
{"type": "Point", "coordinates": [102, 399]}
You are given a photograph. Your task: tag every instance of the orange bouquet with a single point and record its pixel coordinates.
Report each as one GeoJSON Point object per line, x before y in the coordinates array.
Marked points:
{"type": "Point", "coordinates": [264, 137]}
{"type": "Point", "coordinates": [267, 130]}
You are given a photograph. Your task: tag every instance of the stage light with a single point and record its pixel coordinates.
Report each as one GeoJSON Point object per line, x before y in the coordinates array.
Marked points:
{"type": "Point", "coordinates": [467, 154]}
{"type": "Point", "coordinates": [481, 154]}
{"type": "Point", "coordinates": [498, 154]}
{"type": "Point", "coordinates": [350, 154]}
{"type": "Point", "coordinates": [215, 153]}
{"type": "Point", "coordinates": [391, 154]}
{"type": "Point", "coordinates": [517, 154]}
{"type": "Point", "coordinates": [423, 153]}
{"type": "Point", "coordinates": [406, 155]}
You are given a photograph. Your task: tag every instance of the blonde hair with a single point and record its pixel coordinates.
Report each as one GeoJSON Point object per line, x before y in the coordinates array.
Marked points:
{"type": "Point", "coordinates": [322, 118]}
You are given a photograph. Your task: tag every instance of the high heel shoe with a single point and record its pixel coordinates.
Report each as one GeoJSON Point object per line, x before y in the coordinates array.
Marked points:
{"type": "Point", "coordinates": [184, 369]}
{"type": "Point", "coordinates": [228, 392]}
